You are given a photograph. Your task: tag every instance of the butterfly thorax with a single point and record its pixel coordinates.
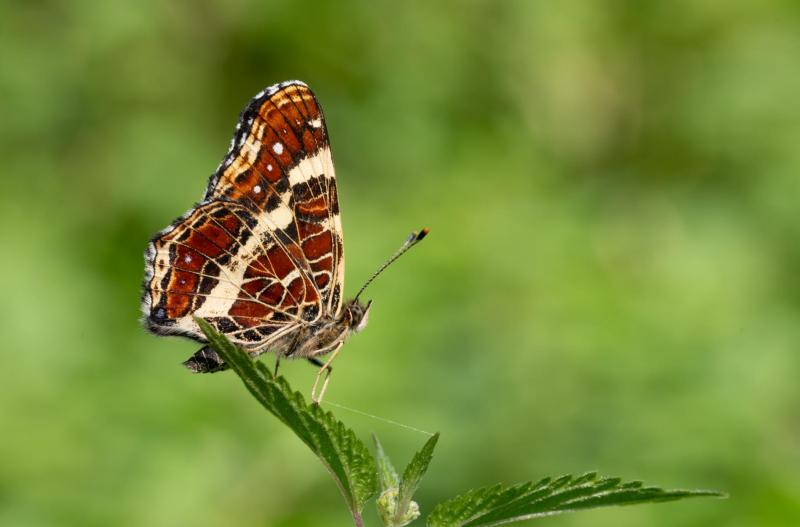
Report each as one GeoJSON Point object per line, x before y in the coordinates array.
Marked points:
{"type": "Point", "coordinates": [327, 334]}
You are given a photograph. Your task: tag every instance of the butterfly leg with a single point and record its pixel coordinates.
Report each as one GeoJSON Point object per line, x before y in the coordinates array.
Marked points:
{"type": "Point", "coordinates": [326, 368]}
{"type": "Point", "coordinates": [316, 362]}
{"type": "Point", "coordinates": [291, 350]}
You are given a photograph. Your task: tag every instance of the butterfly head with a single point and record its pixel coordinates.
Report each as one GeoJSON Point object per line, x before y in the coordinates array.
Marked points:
{"type": "Point", "coordinates": [356, 315]}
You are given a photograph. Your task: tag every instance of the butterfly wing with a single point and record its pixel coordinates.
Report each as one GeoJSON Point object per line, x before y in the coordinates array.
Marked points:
{"type": "Point", "coordinates": [280, 162]}
{"type": "Point", "coordinates": [261, 255]}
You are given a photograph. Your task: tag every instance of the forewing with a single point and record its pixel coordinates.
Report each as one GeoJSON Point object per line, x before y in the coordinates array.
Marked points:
{"type": "Point", "coordinates": [279, 165]}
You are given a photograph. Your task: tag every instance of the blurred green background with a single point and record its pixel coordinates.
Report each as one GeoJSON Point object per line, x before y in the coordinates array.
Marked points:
{"type": "Point", "coordinates": [610, 283]}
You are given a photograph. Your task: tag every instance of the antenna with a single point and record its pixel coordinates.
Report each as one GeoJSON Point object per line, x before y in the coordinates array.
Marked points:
{"type": "Point", "coordinates": [413, 239]}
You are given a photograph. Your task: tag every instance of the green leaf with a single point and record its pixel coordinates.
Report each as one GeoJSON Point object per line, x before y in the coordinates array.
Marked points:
{"type": "Point", "coordinates": [395, 506]}
{"type": "Point", "coordinates": [500, 504]}
{"type": "Point", "coordinates": [341, 452]}
{"type": "Point", "coordinates": [413, 474]}
{"type": "Point", "coordinates": [390, 486]}
{"type": "Point", "coordinates": [387, 475]}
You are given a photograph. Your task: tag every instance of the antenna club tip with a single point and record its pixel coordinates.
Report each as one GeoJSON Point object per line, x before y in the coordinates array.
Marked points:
{"type": "Point", "coordinates": [424, 232]}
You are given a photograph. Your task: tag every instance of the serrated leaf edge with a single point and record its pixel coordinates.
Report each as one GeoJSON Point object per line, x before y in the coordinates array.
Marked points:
{"type": "Point", "coordinates": [352, 468]}
{"type": "Point", "coordinates": [483, 506]}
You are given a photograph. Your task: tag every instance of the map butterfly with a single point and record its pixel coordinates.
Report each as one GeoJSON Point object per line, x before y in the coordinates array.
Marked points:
{"type": "Point", "coordinates": [261, 257]}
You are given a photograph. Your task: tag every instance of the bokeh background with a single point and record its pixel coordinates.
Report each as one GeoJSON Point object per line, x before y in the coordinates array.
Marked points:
{"type": "Point", "coordinates": [610, 283]}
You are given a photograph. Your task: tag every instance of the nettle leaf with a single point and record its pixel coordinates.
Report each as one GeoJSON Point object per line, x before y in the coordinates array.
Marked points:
{"type": "Point", "coordinates": [413, 474]}
{"type": "Point", "coordinates": [500, 504]}
{"type": "Point", "coordinates": [387, 475]}
{"type": "Point", "coordinates": [390, 486]}
{"type": "Point", "coordinates": [341, 452]}
{"type": "Point", "coordinates": [395, 506]}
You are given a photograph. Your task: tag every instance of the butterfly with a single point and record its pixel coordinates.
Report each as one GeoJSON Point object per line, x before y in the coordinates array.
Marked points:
{"type": "Point", "coordinates": [261, 257]}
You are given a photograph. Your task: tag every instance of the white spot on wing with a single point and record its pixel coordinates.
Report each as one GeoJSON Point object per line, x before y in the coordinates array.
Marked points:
{"type": "Point", "coordinates": [277, 148]}
{"type": "Point", "coordinates": [315, 123]}
{"type": "Point", "coordinates": [187, 258]}
{"type": "Point", "coordinates": [257, 189]}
